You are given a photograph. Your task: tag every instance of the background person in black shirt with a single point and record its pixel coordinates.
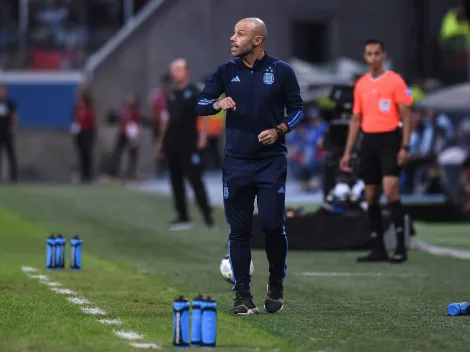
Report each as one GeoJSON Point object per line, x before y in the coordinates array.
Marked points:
{"type": "Point", "coordinates": [8, 124]}
{"type": "Point", "coordinates": [180, 143]}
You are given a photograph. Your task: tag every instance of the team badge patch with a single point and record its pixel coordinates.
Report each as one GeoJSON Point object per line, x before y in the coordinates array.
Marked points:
{"type": "Point", "coordinates": [268, 77]}
{"type": "Point", "coordinates": [384, 105]}
{"type": "Point", "coordinates": [195, 159]}
{"type": "Point", "coordinates": [225, 191]}
{"type": "Point", "coordinates": [187, 94]}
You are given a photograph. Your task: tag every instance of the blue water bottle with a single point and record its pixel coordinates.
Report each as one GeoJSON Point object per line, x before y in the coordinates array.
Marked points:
{"type": "Point", "coordinates": [196, 332]}
{"type": "Point", "coordinates": [60, 252]}
{"type": "Point", "coordinates": [75, 253]}
{"type": "Point", "coordinates": [209, 322]}
{"type": "Point", "coordinates": [181, 322]}
{"type": "Point", "coordinates": [455, 309]}
{"type": "Point", "coordinates": [51, 252]}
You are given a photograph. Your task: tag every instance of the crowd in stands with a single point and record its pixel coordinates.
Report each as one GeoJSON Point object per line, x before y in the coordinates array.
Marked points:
{"type": "Point", "coordinates": [59, 34]}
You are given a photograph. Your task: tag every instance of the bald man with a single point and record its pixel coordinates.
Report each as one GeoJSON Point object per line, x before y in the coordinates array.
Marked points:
{"type": "Point", "coordinates": [180, 143]}
{"type": "Point", "coordinates": [258, 88]}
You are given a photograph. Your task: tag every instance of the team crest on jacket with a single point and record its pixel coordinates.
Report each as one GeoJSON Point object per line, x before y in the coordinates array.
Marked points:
{"type": "Point", "coordinates": [268, 77]}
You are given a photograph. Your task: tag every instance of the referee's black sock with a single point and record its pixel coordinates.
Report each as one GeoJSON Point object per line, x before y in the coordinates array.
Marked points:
{"type": "Point", "coordinates": [398, 218]}
{"type": "Point", "coordinates": [375, 220]}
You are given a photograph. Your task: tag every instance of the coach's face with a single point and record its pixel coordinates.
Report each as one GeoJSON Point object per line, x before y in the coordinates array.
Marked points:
{"type": "Point", "coordinates": [374, 55]}
{"type": "Point", "coordinates": [243, 40]}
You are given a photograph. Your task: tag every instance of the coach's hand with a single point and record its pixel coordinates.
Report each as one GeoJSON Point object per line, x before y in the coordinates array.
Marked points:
{"type": "Point", "coordinates": [225, 104]}
{"type": "Point", "coordinates": [268, 137]}
{"type": "Point", "coordinates": [344, 163]}
{"type": "Point", "coordinates": [402, 157]}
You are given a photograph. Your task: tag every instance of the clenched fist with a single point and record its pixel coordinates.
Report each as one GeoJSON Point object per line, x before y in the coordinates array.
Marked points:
{"type": "Point", "coordinates": [225, 104]}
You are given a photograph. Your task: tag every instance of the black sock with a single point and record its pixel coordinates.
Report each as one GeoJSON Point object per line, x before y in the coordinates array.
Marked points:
{"type": "Point", "coordinates": [375, 220]}
{"type": "Point", "coordinates": [398, 218]}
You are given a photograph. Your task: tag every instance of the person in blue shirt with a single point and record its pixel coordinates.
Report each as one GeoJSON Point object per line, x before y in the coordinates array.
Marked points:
{"type": "Point", "coordinates": [259, 90]}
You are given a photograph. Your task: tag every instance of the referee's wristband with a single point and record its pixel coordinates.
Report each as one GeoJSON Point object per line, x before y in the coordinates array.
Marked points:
{"type": "Point", "coordinates": [406, 148]}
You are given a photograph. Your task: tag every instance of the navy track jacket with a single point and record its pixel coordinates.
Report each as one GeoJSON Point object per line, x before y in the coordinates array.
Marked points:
{"type": "Point", "coordinates": [262, 94]}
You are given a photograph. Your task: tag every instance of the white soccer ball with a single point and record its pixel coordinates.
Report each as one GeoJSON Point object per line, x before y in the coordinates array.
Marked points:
{"type": "Point", "coordinates": [226, 269]}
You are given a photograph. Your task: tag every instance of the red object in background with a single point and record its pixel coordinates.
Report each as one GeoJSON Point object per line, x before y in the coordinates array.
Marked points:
{"type": "Point", "coordinates": [85, 118]}
{"type": "Point", "coordinates": [46, 59]}
{"type": "Point", "coordinates": [128, 115]}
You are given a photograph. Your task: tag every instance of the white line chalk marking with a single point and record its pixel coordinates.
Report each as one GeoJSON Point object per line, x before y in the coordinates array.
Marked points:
{"type": "Point", "coordinates": [441, 251]}
{"type": "Point", "coordinates": [78, 300]}
{"type": "Point", "coordinates": [51, 283]}
{"type": "Point", "coordinates": [28, 269]}
{"type": "Point", "coordinates": [110, 321]}
{"type": "Point", "coordinates": [128, 335]}
{"type": "Point", "coordinates": [40, 277]}
{"type": "Point", "coordinates": [63, 291]}
{"type": "Point", "coordinates": [93, 311]}
{"type": "Point", "coordinates": [333, 274]}
{"type": "Point", "coordinates": [148, 346]}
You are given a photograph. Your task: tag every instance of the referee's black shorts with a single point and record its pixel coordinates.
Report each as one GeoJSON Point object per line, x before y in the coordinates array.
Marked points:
{"type": "Point", "coordinates": [378, 156]}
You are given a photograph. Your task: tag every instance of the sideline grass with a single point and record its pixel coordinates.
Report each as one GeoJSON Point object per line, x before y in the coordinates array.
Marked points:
{"type": "Point", "coordinates": [133, 268]}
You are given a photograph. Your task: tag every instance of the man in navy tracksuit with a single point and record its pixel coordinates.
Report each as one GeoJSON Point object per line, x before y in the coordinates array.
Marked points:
{"type": "Point", "coordinates": [258, 88]}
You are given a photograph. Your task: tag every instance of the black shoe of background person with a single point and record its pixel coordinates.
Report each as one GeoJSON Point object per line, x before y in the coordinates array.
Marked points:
{"type": "Point", "coordinates": [378, 252]}
{"type": "Point", "coordinates": [243, 305]}
{"type": "Point", "coordinates": [399, 256]}
{"type": "Point", "coordinates": [274, 298]}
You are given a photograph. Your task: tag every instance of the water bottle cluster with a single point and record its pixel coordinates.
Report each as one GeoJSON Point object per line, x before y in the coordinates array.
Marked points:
{"type": "Point", "coordinates": [55, 252]}
{"type": "Point", "coordinates": [462, 308]}
{"type": "Point", "coordinates": [203, 316]}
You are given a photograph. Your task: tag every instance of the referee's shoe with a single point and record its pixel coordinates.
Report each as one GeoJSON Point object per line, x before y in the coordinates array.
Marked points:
{"type": "Point", "coordinates": [378, 253]}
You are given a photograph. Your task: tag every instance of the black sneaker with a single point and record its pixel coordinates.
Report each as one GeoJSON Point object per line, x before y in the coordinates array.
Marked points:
{"type": "Point", "coordinates": [399, 256]}
{"type": "Point", "coordinates": [179, 225]}
{"type": "Point", "coordinates": [274, 298]}
{"type": "Point", "coordinates": [244, 305]}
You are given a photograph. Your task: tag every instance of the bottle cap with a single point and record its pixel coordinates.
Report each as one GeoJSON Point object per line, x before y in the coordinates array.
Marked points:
{"type": "Point", "coordinates": [181, 299]}
{"type": "Point", "coordinates": [76, 237]}
{"type": "Point", "coordinates": [209, 299]}
{"type": "Point", "coordinates": [52, 237]}
{"type": "Point", "coordinates": [199, 298]}
{"type": "Point", "coordinates": [453, 309]}
{"type": "Point", "coordinates": [60, 236]}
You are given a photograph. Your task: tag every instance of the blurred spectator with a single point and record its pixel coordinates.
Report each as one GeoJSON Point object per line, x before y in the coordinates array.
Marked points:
{"type": "Point", "coordinates": [455, 24]}
{"type": "Point", "coordinates": [128, 137]}
{"type": "Point", "coordinates": [463, 134]}
{"type": "Point", "coordinates": [465, 187]}
{"type": "Point", "coordinates": [8, 126]}
{"type": "Point", "coordinates": [61, 33]}
{"type": "Point", "coordinates": [306, 158]}
{"type": "Point", "coordinates": [157, 102]}
{"type": "Point", "coordinates": [83, 128]}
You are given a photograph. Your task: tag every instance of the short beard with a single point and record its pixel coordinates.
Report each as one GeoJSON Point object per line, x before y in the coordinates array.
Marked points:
{"type": "Point", "coordinates": [246, 52]}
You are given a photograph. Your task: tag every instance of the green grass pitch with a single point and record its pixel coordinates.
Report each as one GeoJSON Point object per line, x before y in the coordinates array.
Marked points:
{"type": "Point", "coordinates": [133, 268]}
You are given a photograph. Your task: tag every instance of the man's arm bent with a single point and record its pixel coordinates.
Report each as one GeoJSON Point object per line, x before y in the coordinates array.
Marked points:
{"type": "Point", "coordinates": [405, 113]}
{"type": "Point", "coordinates": [210, 94]}
{"type": "Point", "coordinates": [293, 101]}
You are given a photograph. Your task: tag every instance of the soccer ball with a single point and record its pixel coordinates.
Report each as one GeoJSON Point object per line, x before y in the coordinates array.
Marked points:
{"type": "Point", "coordinates": [226, 269]}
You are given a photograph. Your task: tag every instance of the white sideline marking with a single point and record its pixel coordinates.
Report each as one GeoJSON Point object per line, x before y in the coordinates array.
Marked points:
{"type": "Point", "coordinates": [51, 283]}
{"type": "Point", "coordinates": [78, 300]}
{"type": "Point", "coordinates": [128, 335]}
{"type": "Point", "coordinates": [110, 321]}
{"type": "Point", "coordinates": [93, 311]}
{"type": "Point", "coordinates": [29, 269]}
{"type": "Point", "coordinates": [63, 291]}
{"type": "Point", "coordinates": [333, 274]}
{"type": "Point", "coordinates": [147, 346]}
{"type": "Point", "coordinates": [441, 251]}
